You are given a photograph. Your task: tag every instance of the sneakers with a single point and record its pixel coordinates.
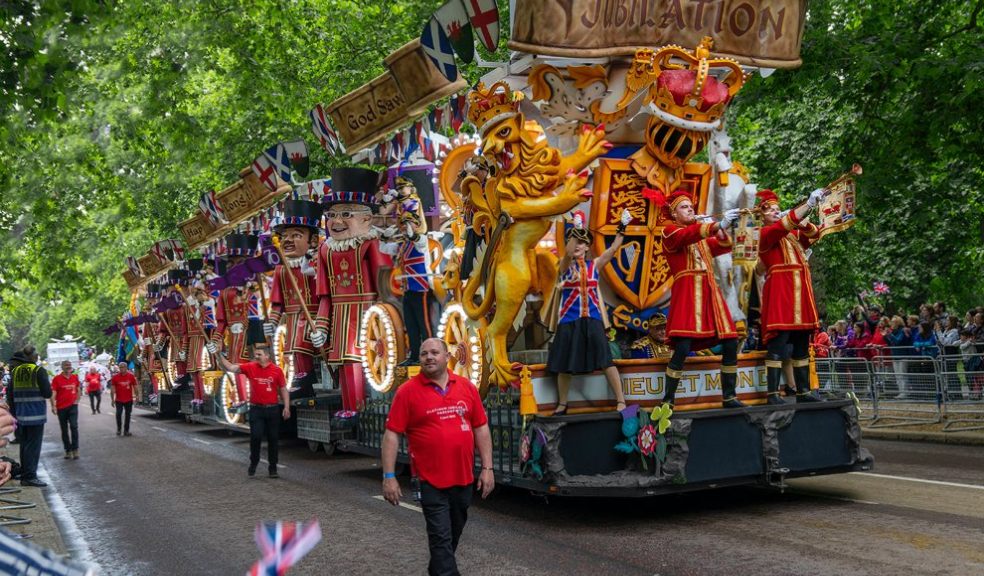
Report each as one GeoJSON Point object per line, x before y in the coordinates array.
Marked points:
{"type": "Point", "coordinates": [119, 433]}
{"type": "Point", "coordinates": [251, 472]}
{"type": "Point", "coordinates": [68, 454]}
{"type": "Point", "coordinates": [273, 474]}
{"type": "Point", "coordinates": [127, 433]}
{"type": "Point", "coordinates": [75, 454]}
{"type": "Point", "coordinates": [34, 482]}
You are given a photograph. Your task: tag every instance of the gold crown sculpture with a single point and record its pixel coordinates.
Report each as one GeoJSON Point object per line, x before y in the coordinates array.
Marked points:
{"type": "Point", "coordinates": [648, 66]}
{"type": "Point", "coordinates": [487, 107]}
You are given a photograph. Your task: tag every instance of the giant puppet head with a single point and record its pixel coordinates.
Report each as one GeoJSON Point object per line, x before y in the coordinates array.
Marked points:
{"type": "Point", "coordinates": [689, 93]}
{"type": "Point", "coordinates": [298, 227]}
{"type": "Point", "coordinates": [350, 204]}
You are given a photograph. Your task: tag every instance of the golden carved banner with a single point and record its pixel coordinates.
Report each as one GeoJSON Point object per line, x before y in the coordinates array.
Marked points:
{"type": "Point", "coordinates": [196, 230]}
{"type": "Point", "coordinates": [366, 115]}
{"type": "Point", "coordinates": [418, 79]}
{"type": "Point", "coordinates": [764, 33]}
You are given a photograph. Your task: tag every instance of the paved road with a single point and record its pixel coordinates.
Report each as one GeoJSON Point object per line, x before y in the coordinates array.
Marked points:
{"type": "Point", "coordinates": [174, 499]}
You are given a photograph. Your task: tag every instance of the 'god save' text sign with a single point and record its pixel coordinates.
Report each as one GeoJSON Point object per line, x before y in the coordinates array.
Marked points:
{"type": "Point", "coordinates": [365, 115]}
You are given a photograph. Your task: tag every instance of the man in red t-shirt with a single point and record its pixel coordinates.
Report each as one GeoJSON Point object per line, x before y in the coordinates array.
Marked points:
{"type": "Point", "coordinates": [93, 387]}
{"type": "Point", "coordinates": [444, 420]}
{"type": "Point", "coordinates": [122, 388]}
{"type": "Point", "coordinates": [267, 389]}
{"type": "Point", "coordinates": [65, 395]}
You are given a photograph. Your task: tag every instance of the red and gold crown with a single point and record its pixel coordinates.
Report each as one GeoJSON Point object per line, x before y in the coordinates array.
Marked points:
{"type": "Point", "coordinates": [688, 91]}
{"type": "Point", "coordinates": [487, 107]}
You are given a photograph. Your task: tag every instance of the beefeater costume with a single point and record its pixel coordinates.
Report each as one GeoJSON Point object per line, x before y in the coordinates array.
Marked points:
{"type": "Point", "coordinates": [148, 335]}
{"type": "Point", "coordinates": [789, 314]}
{"type": "Point", "coordinates": [349, 265]}
{"type": "Point", "coordinates": [699, 316]}
{"type": "Point", "coordinates": [195, 335]}
{"type": "Point", "coordinates": [287, 304]}
{"type": "Point", "coordinates": [232, 321]}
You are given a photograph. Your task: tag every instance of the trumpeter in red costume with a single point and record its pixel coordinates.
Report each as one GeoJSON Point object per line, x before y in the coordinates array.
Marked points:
{"type": "Point", "coordinates": [349, 274]}
{"type": "Point", "coordinates": [298, 231]}
{"type": "Point", "coordinates": [789, 314]}
{"type": "Point", "coordinates": [232, 312]}
{"type": "Point", "coordinates": [699, 316]}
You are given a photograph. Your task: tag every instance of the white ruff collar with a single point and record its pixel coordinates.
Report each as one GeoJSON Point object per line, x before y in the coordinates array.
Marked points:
{"type": "Point", "coordinates": [296, 262]}
{"type": "Point", "coordinates": [350, 243]}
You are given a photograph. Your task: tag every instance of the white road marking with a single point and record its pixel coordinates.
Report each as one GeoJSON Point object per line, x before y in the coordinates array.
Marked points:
{"type": "Point", "coordinates": [268, 463]}
{"type": "Point", "coordinates": [110, 501]}
{"type": "Point", "coordinates": [402, 504]}
{"type": "Point", "coordinates": [906, 478]}
{"type": "Point", "coordinates": [158, 428]}
{"type": "Point", "coordinates": [202, 441]}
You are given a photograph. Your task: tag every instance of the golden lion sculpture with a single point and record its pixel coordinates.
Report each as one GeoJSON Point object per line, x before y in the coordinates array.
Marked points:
{"type": "Point", "coordinates": [514, 210]}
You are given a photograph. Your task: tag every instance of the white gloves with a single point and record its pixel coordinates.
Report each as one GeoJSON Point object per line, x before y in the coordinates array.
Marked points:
{"type": "Point", "coordinates": [190, 300]}
{"type": "Point", "coordinates": [212, 347]}
{"type": "Point", "coordinates": [815, 197]}
{"type": "Point", "coordinates": [182, 355]}
{"type": "Point", "coordinates": [389, 232]}
{"type": "Point", "coordinates": [318, 338]}
{"type": "Point", "coordinates": [730, 217]}
{"type": "Point", "coordinates": [269, 329]}
{"type": "Point", "coordinates": [626, 217]}
{"type": "Point", "coordinates": [307, 269]}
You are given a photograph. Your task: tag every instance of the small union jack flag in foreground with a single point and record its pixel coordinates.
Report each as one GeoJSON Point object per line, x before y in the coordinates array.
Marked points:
{"type": "Point", "coordinates": [283, 544]}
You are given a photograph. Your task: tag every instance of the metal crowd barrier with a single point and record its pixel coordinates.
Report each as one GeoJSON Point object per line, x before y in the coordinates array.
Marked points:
{"type": "Point", "coordinates": [897, 387]}
{"type": "Point", "coordinates": [962, 385]}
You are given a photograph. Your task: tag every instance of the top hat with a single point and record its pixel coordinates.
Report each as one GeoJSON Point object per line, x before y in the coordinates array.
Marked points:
{"type": "Point", "coordinates": [303, 213]}
{"type": "Point", "coordinates": [353, 185]}
{"type": "Point", "coordinates": [240, 244]}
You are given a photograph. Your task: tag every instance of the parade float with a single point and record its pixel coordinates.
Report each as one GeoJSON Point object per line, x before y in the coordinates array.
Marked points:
{"type": "Point", "coordinates": [599, 102]}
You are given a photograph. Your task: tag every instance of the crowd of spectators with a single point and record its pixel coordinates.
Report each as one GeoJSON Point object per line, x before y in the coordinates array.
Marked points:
{"type": "Point", "coordinates": [933, 331]}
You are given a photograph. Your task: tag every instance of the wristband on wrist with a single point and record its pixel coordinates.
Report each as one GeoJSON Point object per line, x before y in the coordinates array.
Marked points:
{"type": "Point", "coordinates": [388, 475]}
{"type": "Point", "coordinates": [620, 229]}
{"type": "Point", "coordinates": [486, 468]}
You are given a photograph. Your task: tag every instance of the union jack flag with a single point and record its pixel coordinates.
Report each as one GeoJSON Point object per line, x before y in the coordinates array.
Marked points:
{"type": "Point", "coordinates": [209, 206]}
{"type": "Point", "coordinates": [279, 156]}
{"type": "Point", "coordinates": [283, 544]}
{"type": "Point", "coordinates": [323, 132]}
{"type": "Point", "coordinates": [579, 292]}
{"type": "Point", "coordinates": [414, 263]}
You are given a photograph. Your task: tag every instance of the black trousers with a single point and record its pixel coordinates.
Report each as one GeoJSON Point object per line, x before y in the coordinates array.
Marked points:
{"type": "Point", "coordinates": [419, 315]}
{"type": "Point", "coordinates": [30, 450]}
{"type": "Point", "coordinates": [445, 512]}
{"type": "Point", "coordinates": [120, 407]}
{"type": "Point", "coordinates": [68, 419]}
{"type": "Point", "coordinates": [264, 422]}
{"type": "Point", "coordinates": [95, 400]}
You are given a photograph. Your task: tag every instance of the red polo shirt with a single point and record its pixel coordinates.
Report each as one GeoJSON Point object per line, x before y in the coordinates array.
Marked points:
{"type": "Point", "coordinates": [123, 385]}
{"type": "Point", "coordinates": [264, 383]}
{"type": "Point", "coordinates": [66, 389]}
{"type": "Point", "coordinates": [93, 382]}
{"type": "Point", "coordinates": [439, 427]}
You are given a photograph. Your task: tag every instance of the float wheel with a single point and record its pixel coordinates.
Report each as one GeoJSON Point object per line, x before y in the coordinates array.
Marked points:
{"type": "Point", "coordinates": [383, 345]}
{"type": "Point", "coordinates": [464, 340]}
{"type": "Point", "coordinates": [230, 395]}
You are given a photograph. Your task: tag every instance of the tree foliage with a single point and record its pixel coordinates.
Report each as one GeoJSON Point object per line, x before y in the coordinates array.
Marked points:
{"type": "Point", "coordinates": [116, 116]}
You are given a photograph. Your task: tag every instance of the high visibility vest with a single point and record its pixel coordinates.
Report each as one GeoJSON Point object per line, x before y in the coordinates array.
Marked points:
{"type": "Point", "coordinates": [29, 405]}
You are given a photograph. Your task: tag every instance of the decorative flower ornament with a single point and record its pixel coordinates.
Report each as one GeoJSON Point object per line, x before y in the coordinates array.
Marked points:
{"type": "Point", "coordinates": [647, 440]}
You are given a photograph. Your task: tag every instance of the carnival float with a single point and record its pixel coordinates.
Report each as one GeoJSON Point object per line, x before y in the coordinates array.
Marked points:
{"type": "Point", "coordinates": [449, 219]}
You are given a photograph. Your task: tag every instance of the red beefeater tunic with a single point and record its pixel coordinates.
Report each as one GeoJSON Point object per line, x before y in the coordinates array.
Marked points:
{"type": "Point", "coordinates": [177, 335]}
{"type": "Point", "coordinates": [288, 307]}
{"type": "Point", "coordinates": [149, 334]}
{"type": "Point", "coordinates": [787, 298]}
{"type": "Point", "coordinates": [697, 307]}
{"type": "Point", "coordinates": [231, 314]}
{"type": "Point", "coordinates": [347, 287]}
{"type": "Point", "coordinates": [195, 339]}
